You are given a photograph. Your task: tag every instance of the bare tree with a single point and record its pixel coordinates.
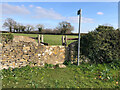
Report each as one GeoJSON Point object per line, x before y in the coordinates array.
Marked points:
{"type": "Point", "coordinates": [9, 23]}
{"type": "Point", "coordinates": [29, 28]}
{"type": "Point", "coordinates": [22, 27]}
{"type": "Point", "coordinates": [15, 27]}
{"type": "Point", "coordinates": [65, 27]}
{"type": "Point", "coordinates": [19, 27]}
{"type": "Point", "coordinates": [40, 27]}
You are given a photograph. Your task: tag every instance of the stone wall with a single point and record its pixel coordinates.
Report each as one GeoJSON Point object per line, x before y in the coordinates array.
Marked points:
{"type": "Point", "coordinates": [26, 51]}
{"type": "Point", "coordinates": [18, 54]}
{"type": "Point", "coordinates": [73, 51]}
{"type": "Point", "coordinates": [73, 54]}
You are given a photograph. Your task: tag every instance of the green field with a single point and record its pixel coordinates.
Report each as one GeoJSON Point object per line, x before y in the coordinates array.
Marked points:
{"type": "Point", "coordinates": [51, 39]}
{"type": "Point", "coordinates": [84, 76]}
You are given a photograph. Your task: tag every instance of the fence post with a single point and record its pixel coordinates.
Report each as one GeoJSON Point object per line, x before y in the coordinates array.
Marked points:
{"type": "Point", "coordinates": [63, 40]}
{"type": "Point", "coordinates": [42, 38]}
{"type": "Point", "coordinates": [38, 38]}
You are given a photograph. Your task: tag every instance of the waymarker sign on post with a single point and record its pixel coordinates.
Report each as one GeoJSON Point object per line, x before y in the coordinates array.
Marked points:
{"type": "Point", "coordinates": [79, 13]}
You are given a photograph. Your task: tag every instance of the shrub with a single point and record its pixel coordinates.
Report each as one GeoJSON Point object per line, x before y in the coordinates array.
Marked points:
{"type": "Point", "coordinates": [48, 65]}
{"type": "Point", "coordinates": [66, 62]}
{"type": "Point", "coordinates": [7, 37]}
{"type": "Point", "coordinates": [101, 46]}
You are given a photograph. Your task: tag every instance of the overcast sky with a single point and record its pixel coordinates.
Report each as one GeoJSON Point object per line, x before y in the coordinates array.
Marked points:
{"type": "Point", "coordinates": [51, 13]}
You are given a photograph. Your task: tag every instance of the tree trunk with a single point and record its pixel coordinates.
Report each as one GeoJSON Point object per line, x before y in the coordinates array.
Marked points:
{"type": "Point", "coordinates": [10, 29]}
{"type": "Point", "coordinates": [19, 29]}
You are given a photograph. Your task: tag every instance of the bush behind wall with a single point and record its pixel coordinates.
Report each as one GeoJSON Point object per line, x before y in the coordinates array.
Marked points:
{"type": "Point", "coordinates": [101, 46]}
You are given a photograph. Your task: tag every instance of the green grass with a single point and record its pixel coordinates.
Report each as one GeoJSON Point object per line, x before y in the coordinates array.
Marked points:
{"type": "Point", "coordinates": [83, 76]}
{"type": "Point", "coordinates": [51, 39]}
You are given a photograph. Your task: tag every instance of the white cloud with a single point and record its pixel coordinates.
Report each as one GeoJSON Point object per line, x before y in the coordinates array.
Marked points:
{"type": "Point", "coordinates": [51, 14]}
{"type": "Point", "coordinates": [31, 6]}
{"type": "Point", "coordinates": [11, 9]}
{"type": "Point", "coordinates": [87, 20]}
{"type": "Point", "coordinates": [100, 13]}
{"type": "Point", "coordinates": [47, 13]}
{"type": "Point", "coordinates": [38, 7]}
{"type": "Point", "coordinates": [75, 19]}
{"type": "Point", "coordinates": [41, 13]}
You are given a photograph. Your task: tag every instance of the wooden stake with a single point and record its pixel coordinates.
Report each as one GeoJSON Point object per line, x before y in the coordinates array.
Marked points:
{"type": "Point", "coordinates": [42, 38]}
{"type": "Point", "coordinates": [38, 38]}
{"type": "Point", "coordinates": [63, 41]}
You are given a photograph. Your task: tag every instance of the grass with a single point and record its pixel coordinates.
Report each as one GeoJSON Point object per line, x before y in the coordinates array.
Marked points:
{"type": "Point", "coordinates": [51, 39]}
{"type": "Point", "coordinates": [83, 76]}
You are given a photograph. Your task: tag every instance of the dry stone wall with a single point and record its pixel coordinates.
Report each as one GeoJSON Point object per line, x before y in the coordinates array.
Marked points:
{"type": "Point", "coordinates": [18, 54]}
{"type": "Point", "coordinates": [73, 51]}
{"type": "Point", "coordinates": [73, 54]}
{"type": "Point", "coordinates": [26, 51]}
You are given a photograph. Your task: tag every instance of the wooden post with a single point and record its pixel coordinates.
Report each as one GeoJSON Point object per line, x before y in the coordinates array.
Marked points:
{"type": "Point", "coordinates": [38, 38]}
{"type": "Point", "coordinates": [63, 41]}
{"type": "Point", "coordinates": [42, 38]}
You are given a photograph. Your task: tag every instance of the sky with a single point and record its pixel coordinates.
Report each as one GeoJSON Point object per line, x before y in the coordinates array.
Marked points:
{"type": "Point", "coordinates": [119, 15]}
{"type": "Point", "coordinates": [51, 13]}
{"type": "Point", "coordinates": [60, 0]}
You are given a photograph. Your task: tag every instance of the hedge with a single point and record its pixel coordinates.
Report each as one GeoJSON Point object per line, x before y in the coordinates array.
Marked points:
{"type": "Point", "coordinates": [101, 46]}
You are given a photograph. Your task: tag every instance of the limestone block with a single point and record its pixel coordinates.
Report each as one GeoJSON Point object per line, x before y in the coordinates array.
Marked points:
{"type": "Point", "coordinates": [25, 57]}
{"type": "Point", "coordinates": [1, 44]}
{"type": "Point", "coordinates": [39, 54]}
{"type": "Point", "coordinates": [25, 51]}
{"type": "Point", "coordinates": [51, 53]}
{"type": "Point", "coordinates": [22, 60]}
{"type": "Point", "coordinates": [42, 64]}
{"type": "Point", "coordinates": [5, 67]}
{"type": "Point", "coordinates": [12, 66]}
{"type": "Point", "coordinates": [26, 48]}
{"type": "Point", "coordinates": [62, 50]}
{"type": "Point", "coordinates": [62, 66]}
